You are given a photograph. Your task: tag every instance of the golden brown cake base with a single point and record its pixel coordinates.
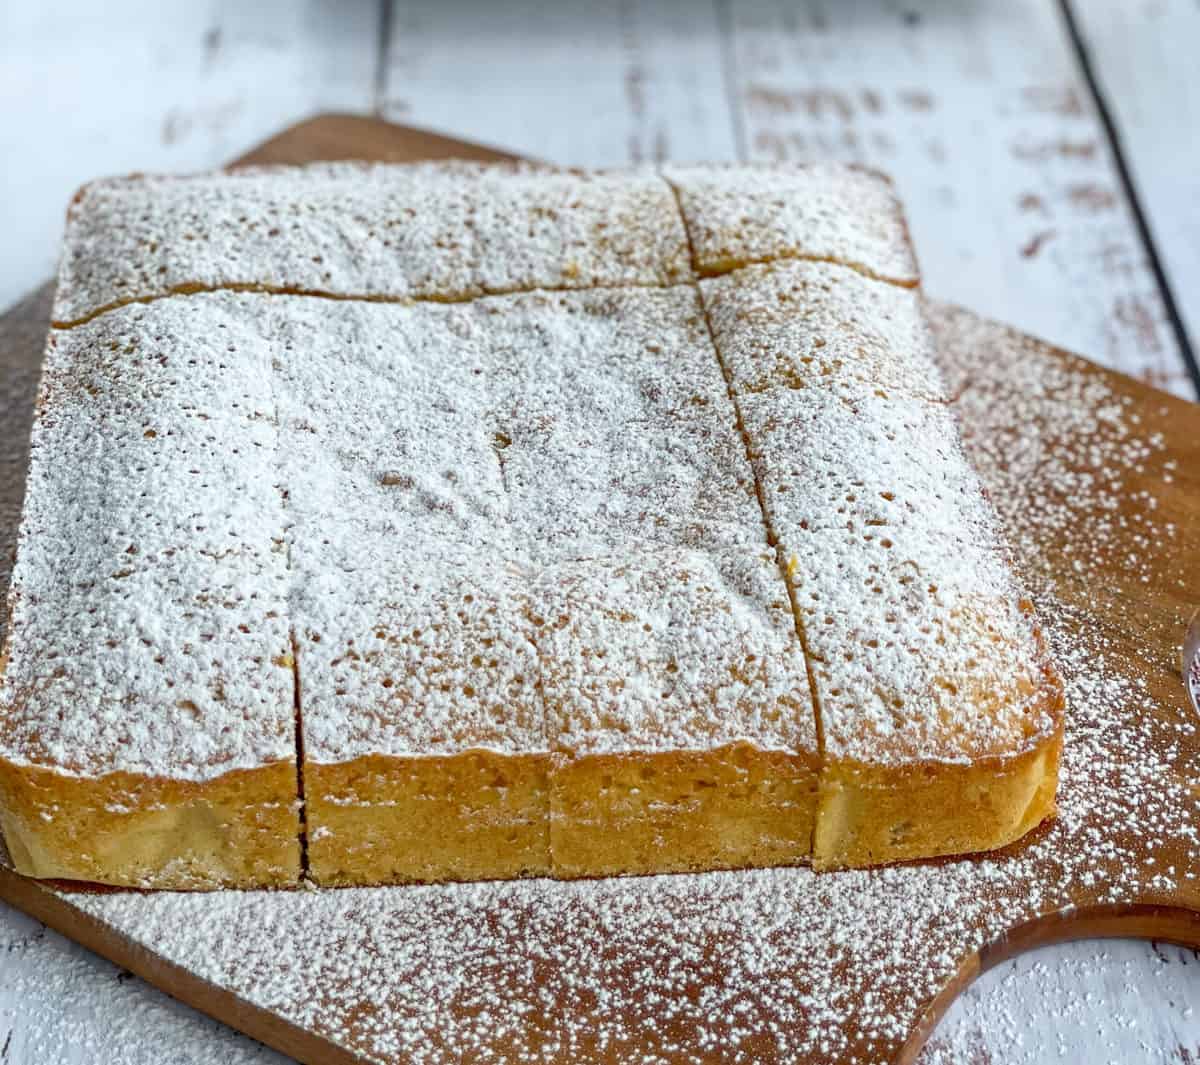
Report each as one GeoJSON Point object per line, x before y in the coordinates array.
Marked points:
{"type": "Point", "coordinates": [482, 815]}
{"type": "Point", "coordinates": [872, 815]}
{"type": "Point", "coordinates": [384, 820]}
{"type": "Point", "coordinates": [236, 830]}
{"type": "Point", "coordinates": [679, 811]}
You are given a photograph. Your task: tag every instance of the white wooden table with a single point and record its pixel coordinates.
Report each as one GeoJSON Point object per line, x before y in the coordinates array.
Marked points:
{"type": "Point", "coordinates": [1049, 154]}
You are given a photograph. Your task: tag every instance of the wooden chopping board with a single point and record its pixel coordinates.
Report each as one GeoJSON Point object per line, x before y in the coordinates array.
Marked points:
{"type": "Point", "coordinates": [1098, 478]}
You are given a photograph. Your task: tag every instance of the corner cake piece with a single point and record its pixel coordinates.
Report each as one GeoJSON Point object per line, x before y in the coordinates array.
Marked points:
{"type": "Point", "coordinates": [464, 522]}
{"type": "Point", "coordinates": [940, 715]}
{"type": "Point", "coordinates": [738, 215]}
{"type": "Point", "coordinates": [146, 718]}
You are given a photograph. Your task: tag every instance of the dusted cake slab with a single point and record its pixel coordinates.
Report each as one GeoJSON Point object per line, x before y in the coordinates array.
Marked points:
{"type": "Point", "coordinates": [450, 522]}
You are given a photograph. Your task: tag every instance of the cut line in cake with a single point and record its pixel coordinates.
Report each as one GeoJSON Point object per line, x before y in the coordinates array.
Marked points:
{"type": "Point", "coordinates": [573, 580]}
{"type": "Point", "coordinates": [141, 238]}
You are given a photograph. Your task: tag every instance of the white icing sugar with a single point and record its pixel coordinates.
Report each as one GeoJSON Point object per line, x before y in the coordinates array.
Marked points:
{"type": "Point", "coordinates": [620, 425]}
{"type": "Point", "coordinates": [407, 608]}
{"type": "Point", "coordinates": [671, 649]}
{"type": "Point", "coordinates": [911, 616]}
{"type": "Point", "coordinates": [998, 403]}
{"type": "Point", "coordinates": [918, 642]}
{"type": "Point", "coordinates": [745, 214]}
{"type": "Point", "coordinates": [433, 479]}
{"type": "Point", "coordinates": [438, 482]}
{"type": "Point", "coordinates": [462, 480]}
{"type": "Point", "coordinates": [148, 600]}
{"type": "Point", "coordinates": [440, 230]}
{"type": "Point", "coordinates": [799, 324]}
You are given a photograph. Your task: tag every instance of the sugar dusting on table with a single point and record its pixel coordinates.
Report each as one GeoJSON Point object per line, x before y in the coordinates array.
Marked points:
{"type": "Point", "coordinates": [1113, 1002]}
{"type": "Point", "coordinates": [72, 1007]}
{"type": "Point", "coordinates": [741, 966]}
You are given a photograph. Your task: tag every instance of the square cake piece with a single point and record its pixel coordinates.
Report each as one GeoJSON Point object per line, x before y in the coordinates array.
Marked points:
{"type": "Point", "coordinates": [415, 523]}
{"type": "Point", "coordinates": [147, 704]}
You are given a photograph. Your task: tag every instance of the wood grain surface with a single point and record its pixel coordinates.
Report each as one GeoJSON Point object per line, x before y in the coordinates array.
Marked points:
{"type": "Point", "coordinates": [1138, 608]}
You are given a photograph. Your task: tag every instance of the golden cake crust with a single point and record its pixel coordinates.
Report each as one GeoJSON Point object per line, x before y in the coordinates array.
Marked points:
{"type": "Point", "coordinates": [872, 814]}
{"type": "Point", "coordinates": [237, 830]}
{"type": "Point", "coordinates": [383, 819]}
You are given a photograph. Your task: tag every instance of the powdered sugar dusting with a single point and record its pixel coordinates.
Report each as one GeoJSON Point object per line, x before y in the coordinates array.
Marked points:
{"type": "Point", "coordinates": [440, 230]}
{"type": "Point", "coordinates": [746, 214]}
{"type": "Point", "coordinates": [796, 324]}
{"type": "Point", "coordinates": [433, 459]}
{"type": "Point", "coordinates": [148, 601]}
{"type": "Point", "coordinates": [641, 651]}
{"type": "Point", "coordinates": [442, 490]}
{"type": "Point", "coordinates": [526, 496]}
{"type": "Point", "coordinates": [745, 966]}
{"type": "Point", "coordinates": [920, 645]}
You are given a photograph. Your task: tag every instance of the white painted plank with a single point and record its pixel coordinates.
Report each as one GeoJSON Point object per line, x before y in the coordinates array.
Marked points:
{"type": "Point", "coordinates": [61, 1004]}
{"type": "Point", "coordinates": [93, 89]}
{"type": "Point", "coordinates": [979, 112]}
{"type": "Point", "coordinates": [1144, 58]}
{"type": "Point", "coordinates": [1116, 1002]}
{"type": "Point", "coordinates": [571, 82]}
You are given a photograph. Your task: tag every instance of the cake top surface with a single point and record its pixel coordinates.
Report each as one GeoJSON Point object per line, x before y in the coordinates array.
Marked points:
{"type": "Point", "coordinates": [920, 643]}
{"type": "Point", "coordinates": [492, 459]}
{"type": "Point", "coordinates": [484, 495]}
{"type": "Point", "coordinates": [149, 601]}
{"type": "Point", "coordinates": [465, 501]}
{"type": "Point", "coordinates": [803, 324]}
{"type": "Point", "coordinates": [672, 650]}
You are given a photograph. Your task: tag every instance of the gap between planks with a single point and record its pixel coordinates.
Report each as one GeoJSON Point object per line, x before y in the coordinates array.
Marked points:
{"type": "Point", "coordinates": [1132, 195]}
